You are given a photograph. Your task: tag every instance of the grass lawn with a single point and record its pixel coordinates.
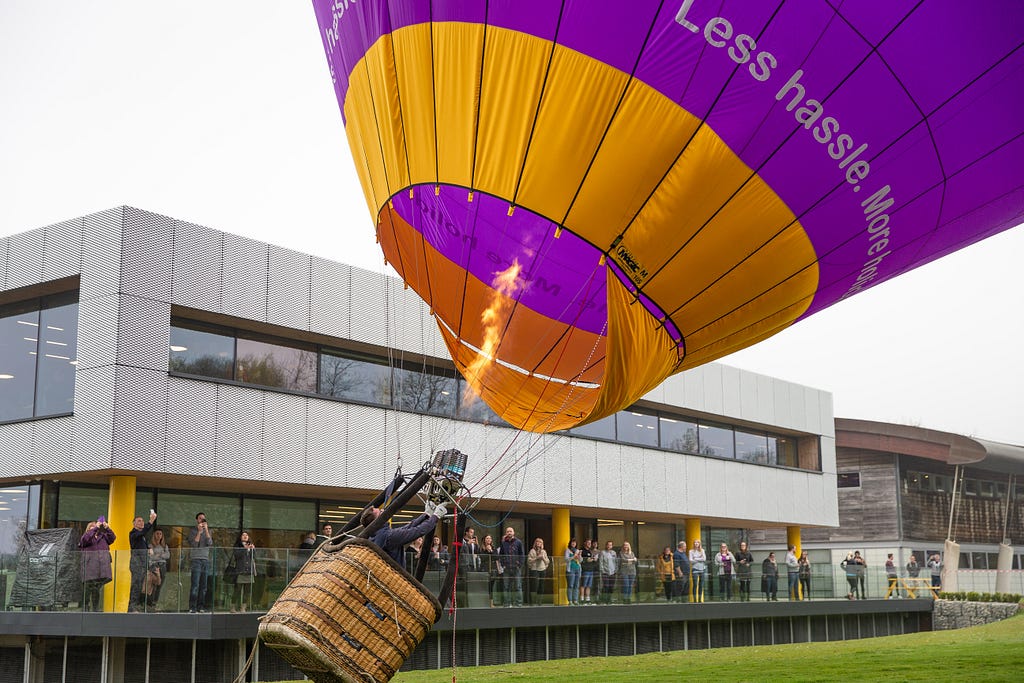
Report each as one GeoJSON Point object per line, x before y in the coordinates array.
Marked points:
{"type": "Point", "coordinates": [994, 652]}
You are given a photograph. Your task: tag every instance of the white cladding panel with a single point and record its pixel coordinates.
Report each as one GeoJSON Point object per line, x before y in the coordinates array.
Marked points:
{"type": "Point", "coordinates": [63, 250]}
{"type": "Point", "coordinates": [330, 296]}
{"type": "Point", "coordinates": [197, 268]}
{"type": "Point", "coordinates": [26, 267]}
{"type": "Point", "coordinates": [239, 435]}
{"type": "Point", "coordinates": [4, 248]}
{"type": "Point", "coordinates": [140, 419]}
{"type": "Point", "coordinates": [369, 307]}
{"type": "Point", "coordinates": [148, 243]}
{"type": "Point", "coordinates": [245, 277]}
{"type": "Point", "coordinates": [101, 254]}
{"type": "Point", "coordinates": [284, 438]}
{"type": "Point", "coordinates": [288, 288]}
{"type": "Point", "coordinates": [191, 426]}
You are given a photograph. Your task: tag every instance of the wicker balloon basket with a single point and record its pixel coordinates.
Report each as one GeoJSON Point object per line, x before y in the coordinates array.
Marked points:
{"type": "Point", "coordinates": [350, 614]}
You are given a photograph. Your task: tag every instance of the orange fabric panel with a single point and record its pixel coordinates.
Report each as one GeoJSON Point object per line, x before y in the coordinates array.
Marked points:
{"type": "Point", "coordinates": [524, 401]}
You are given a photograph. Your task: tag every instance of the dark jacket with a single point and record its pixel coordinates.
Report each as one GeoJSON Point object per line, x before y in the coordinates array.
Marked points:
{"type": "Point", "coordinates": [95, 545]}
{"type": "Point", "coordinates": [139, 544]}
{"type": "Point", "coordinates": [511, 554]}
{"type": "Point", "coordinates": [393, 540]}
{"type": "Point", "coordinates": [744, 564]}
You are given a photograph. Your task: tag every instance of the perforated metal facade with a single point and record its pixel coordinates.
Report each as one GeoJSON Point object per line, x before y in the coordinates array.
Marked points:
{"type": "Point", "coordinates": [135, 267]}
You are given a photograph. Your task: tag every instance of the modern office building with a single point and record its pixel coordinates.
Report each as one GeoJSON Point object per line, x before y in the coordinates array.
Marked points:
{"type": "Point", "coordinates": [896, 487]}
{"type": "Point", "coordinates": [147, 362]}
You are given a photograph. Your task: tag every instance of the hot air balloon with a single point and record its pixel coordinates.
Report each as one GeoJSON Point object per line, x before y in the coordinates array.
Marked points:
{"type": "Point", "coordinates": [592, 195]}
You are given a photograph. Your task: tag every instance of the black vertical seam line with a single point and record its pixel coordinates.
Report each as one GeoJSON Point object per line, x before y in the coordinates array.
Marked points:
{"type": "Point", "coordinates": [394, 235]}
{"type": "Point", "coordinates": [467, 244]}
{"type": "Point", "coordinates": [377, 126]}
{"type": "Point", "coordinates": [480, 98]}
{"type": "Point", "coordinates": [475, 210]}
{"type": "Point", "coordinates": [615, 111]}
{"type": "Point", "coordinates": [840, 245]}
{"type": "Point", "coordinates": [938, 157]}
{"type": "Point", "coordinates": [540, 101]}
{"type": "Point", "coordinates": [433, 94]}
{"type": "Point", "coordinates": [841, 183]}
{"type": "Point", "coordinates": [672, 165]}
{"type": "Point", "coordinates": [423, 246]}
{"type": "Point", "coordinates": [398, 92]}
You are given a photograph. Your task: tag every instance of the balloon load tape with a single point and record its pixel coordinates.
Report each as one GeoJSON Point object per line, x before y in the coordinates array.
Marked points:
{"type": "Point", "coordinates": [446, 473]}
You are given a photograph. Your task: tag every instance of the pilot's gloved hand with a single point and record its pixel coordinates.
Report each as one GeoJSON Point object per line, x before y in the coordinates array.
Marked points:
{"type": "Point", "coordinates": [440, 511]}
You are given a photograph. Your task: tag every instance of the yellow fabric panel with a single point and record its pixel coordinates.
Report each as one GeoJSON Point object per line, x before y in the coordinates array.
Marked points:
{"type": "Point", "coordinates": [458, 47]}
{"type": "Point", "coordinates": [640, 353]}
{"type": "Point", "coordinates": [361, 128]}
{"type": "Point", "coordinates": [514, 66]}
{"type": "Point", "coordinates": [416, 88]}
{"type": "Point", "coordinates": [380, 70]}
{"type": "Point", "coordinates": [630, 163]}
{"type": "Point", "coordinates": [578, 102]}
{"type": "Point", "coordinates": [704, 179]}
{"type": "Point", "coordinates": [529, 340]}
{"type": "Point", "coordinates": [524, 401]}
{"type": "Point", "coordinates": [722, 338]}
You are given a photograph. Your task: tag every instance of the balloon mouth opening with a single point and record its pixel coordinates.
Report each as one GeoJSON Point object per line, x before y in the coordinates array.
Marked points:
{"type": "Point", "coordinates": [490, 358]}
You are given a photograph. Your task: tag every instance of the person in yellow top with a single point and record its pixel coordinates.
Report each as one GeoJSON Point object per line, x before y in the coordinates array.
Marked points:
{"type": "Point", "coordinates": [666, 569]}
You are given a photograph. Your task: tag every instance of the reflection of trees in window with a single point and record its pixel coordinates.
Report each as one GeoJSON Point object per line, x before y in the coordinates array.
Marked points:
{"type": "Point", "coordinates": [206, 365]}
{"type": "Point", "coordinates": [472, 407]}
{"type": "Point", "coordinates": [337, 375]}
{"type": "Point", "coordinates": [423, 392]}
{"type": "Point", "coordinates": [685, 441]}
{"type": "Point", "coordinates": [276, 366]}
{"type": "Point", "coordinates": [355, 379]}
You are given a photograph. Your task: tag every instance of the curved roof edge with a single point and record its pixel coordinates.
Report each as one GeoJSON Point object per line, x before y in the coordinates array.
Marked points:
{"type": "Point", "coordinates": [953, 449]}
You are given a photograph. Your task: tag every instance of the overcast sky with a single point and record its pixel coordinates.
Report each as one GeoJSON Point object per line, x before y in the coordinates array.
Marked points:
{"type": "Point", "coordinates": [223, 114]}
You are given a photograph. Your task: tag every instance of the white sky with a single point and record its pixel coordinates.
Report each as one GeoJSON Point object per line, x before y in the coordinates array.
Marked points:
{"type": "Point", "coordinates": [223, 114]}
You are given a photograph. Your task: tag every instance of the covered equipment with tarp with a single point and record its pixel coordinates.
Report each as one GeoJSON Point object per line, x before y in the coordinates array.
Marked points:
{"type": "Point", "coordinates": [47, 572]}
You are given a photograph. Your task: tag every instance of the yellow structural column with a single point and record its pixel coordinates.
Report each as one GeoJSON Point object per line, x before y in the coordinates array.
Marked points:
{"type": "Point", "coordinates": [120, 515]}
{"type": "Point", "coordinates": [693, 534]}
{"type": "Point", "coordinates": [793, 539]}
{"type": "Point", "coordinates": [561, 532]}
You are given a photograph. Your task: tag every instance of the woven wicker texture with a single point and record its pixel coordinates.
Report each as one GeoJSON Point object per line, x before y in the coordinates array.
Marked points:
{"type": "Point", "coordinates": [350, 614]}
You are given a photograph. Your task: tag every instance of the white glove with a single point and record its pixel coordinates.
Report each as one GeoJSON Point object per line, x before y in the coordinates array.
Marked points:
{"type": "Point", "coordinates": [440, 511]}
{"type": "Point", "coordinates": [428, 507]}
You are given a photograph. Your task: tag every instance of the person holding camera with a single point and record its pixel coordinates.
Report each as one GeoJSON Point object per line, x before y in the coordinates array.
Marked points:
{"type": "Point", "coordinates": [245, 571]}
{"type": "Point", "coordinates": [139, 564]}
{"type": "Point", "coordinates": [200, 541]}
{"type": "Point", "coordinates": [96, 571]}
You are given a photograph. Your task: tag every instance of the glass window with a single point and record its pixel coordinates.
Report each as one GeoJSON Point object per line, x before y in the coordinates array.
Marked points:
{"type": "Point", "coordinates": [355, 378]}
{"type": "Point", "coordinates": [601, 429]}
{"type": "Point", "coordinates": [987, 489]}
{"type": "Point", "coordinates": [13, 519]}
{"type": "Point", "coordinates": [716, 440]}
{"type": "Point", "coordinates": [787, 452]}
{"type": "Point", "coordinates": [941, 483]}
{"type": "Point", "coordinates": [275, 365]}
{"type": "Point", "coordinates": [979, 561]}
{"type": "Point", "coordinates": [176, 514]}
{"type": "Point", "coordinates": [472, 407]}
{"type": "Point", "coordinates": [425, 392]}
{"type": "Point", "coordinates": [752, 447]}
{"type": "Point", "coordinates": [81, 504]}
{"type": "Point", "coordinates": [19, 333]}
{"type": "Point", "coordinates": [848, 480]}
{"type": "Point", "coordinates": [678, 434]}
{"type": "Point", "coordinates": [58, 356]}
{"type": "Point", "coordinates": [637, 428]}
{"type": "Point", "coordinates": [196, 352]}
{"type": "Point", "coordinates": [278, 523]}
{"type": "Point", "coordinates": [970, 487]}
